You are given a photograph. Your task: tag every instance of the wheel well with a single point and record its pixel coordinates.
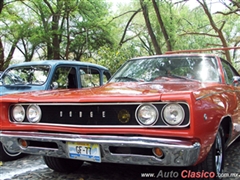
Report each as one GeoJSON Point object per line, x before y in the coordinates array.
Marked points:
{"type": "Point", "coordinates": [226, 125]}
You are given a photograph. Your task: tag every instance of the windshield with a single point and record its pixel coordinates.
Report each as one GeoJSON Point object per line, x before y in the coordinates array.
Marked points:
{"type": "Point", "coordinates": [169, 68]}
{"type": "Point", "coordinates": [34, 75]}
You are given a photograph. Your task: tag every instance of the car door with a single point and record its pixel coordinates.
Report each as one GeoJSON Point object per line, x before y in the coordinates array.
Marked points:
{"type": "Point", "coordinates": [64, 77]}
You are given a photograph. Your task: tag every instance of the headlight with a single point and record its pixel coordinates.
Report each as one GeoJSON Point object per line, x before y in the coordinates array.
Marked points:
{"type": "Point", "coordinates": [18, 113]}
{"type": "Point", "coordinates": [173, 114]}
{"type": "Point", "coordinates": [147, 114]}
{"type": "Point", "coordinates": [34, 113]}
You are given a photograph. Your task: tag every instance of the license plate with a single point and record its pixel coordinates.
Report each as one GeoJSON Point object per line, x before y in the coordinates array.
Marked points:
{"type": "Point", "coordinates": [84, 151]}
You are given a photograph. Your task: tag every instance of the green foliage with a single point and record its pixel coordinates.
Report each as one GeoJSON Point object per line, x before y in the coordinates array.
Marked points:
{"type": "Point", "coordinates": [90, 30]}
{"type": "Point", "coordinates": [114, 58]}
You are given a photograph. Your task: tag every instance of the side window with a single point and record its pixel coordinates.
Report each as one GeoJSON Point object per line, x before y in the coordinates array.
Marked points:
{"type": "Point", "coordinates": [89, 77]}
{"type": "Point", "coordinates": [64, 77]}
{"type": "Point", "coordinates": [228, 72]}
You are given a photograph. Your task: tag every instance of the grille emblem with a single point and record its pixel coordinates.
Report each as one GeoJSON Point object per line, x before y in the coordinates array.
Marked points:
{"type": "Point", "coordinates": [80, 114]}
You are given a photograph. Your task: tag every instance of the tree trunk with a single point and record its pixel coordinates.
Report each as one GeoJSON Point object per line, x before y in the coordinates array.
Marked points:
{"type": "Point", "coordinates": [217, 30]}
{"type": "Point", "coordinates": [54, 48]}
{"type": "Point", "coordinates": [160, 21]}
{"type": "Point", "coordinates": [55, 41]}
{"type": "Point", "coordinates": [1, 55]}
{"type": "Point", "coordinates": [10, 54]}
{"type": "Point", "coordinates": [1, 45]}
{"type": "Point", "coordinates": [1, 5]}
{"type": "Point", "coordinates": [149, 27]}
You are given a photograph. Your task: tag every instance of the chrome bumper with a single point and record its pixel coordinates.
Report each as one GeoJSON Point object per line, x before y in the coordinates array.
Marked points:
{"type": "Point", "coordinates": [176, 152]}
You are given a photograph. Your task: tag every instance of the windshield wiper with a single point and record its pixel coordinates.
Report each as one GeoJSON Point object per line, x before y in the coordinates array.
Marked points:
{"type": "Point", "coordinates": [181, 77]}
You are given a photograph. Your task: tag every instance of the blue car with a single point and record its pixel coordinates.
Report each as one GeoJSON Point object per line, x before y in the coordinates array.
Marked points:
{"type": "Point", "coordinates": [52, 74]}
{"type": "Point", "coordinates": [47, 75]}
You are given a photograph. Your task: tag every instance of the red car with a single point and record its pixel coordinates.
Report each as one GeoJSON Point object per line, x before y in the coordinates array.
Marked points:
{"type": "Point", "coordinates": [167, 110]}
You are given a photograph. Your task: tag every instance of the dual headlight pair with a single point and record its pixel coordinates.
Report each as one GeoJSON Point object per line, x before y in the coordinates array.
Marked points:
{"type": "Point", "coordinates": [172, 114]}
{"type": "Point", "coordinates": [33, 113]}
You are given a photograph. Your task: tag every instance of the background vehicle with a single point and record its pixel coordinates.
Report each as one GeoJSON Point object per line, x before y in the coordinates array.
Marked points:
{"type": "Point", "coordinates": [52, 74]}
{"type": "Point", "coordinates": [49, 75]}
{"type": "Point", "coordinates": [166, 110]}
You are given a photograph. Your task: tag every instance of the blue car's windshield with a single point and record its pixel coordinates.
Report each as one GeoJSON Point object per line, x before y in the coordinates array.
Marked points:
{"type": "Point", "coordinates": [199, 68]}
{"type": "Point", "coordinates": [34, 75]}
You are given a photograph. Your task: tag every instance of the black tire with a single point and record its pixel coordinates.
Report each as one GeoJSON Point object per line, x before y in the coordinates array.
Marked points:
{"type": "Point", "coordinates": [62, 164]}
{"type": "Point", "coordinates": [214, 162]}
{"type": "Point", "coordinates": [8, 156]}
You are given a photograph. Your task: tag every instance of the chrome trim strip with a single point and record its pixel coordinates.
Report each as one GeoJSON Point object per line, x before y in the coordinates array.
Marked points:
{"type": "Point", "coordinates": [210, 94]}
{"type": "Point", "coordinates": [91, 104]}
{"type": "Point", "coordinates": [103, 126]}
{"type": "Point", "coordinates": [176, 152]}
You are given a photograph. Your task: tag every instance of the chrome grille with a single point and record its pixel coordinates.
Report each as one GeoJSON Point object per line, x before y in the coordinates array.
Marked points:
{"type": "Point", "coordinates": [84, 114]}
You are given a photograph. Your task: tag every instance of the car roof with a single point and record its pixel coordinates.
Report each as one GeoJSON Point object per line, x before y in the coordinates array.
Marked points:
{"type": "Point", "coordinates": [58, 62]}
{"type": "Point", "coordinates": [173, 55]}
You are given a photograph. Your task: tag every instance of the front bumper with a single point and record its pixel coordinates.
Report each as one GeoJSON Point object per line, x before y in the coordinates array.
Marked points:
{"type": "Point", "coordinates": [176, 152]}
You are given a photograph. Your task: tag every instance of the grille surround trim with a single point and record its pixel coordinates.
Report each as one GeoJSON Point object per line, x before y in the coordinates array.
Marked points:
{"type": "Point", "coordinates": [96, 106]}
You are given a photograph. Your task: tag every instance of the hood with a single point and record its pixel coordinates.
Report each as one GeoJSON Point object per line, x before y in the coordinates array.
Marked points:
{"type": "Point", "coordinates": [112, 92]}
{"type": "Point", "coordinates": [12, 89]}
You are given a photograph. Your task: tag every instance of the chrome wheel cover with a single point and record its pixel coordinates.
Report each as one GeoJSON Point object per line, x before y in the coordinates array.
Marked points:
{"type": "Point", "coordinates": [12, 154]}
{"type": "Point", "coordinates": [218, 153]}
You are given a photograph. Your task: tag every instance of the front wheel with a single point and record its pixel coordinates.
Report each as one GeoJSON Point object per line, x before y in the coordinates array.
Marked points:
{"type": "Point", "coordinates": [214, 161]}
{"type": "Point", "coordinates": [62, 164]}
{"type": "Point", "coordinates": [6, 155]}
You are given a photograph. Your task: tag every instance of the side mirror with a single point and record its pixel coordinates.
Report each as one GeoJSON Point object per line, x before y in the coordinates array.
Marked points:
{"type": "Point", "coordinates": [54, 85]}
{"type": "Point", "coordinates": [236, 80]}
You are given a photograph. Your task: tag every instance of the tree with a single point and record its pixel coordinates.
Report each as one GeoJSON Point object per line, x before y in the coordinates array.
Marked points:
{"type": "Point", "coordinates": [162, 26]}
{"type": "Point", "coordinates": [218, 30]}
{"type": "Point", "coordinates": [6, 33]}
{"type": "Point", "coordinates": [87, 30]}
{"type": "Point", "coordinates": [75, 27]}
{"type": "Point", "coordinates": [59, 29]}
{"type": "Point", "coordinates": [149, 27]}
{"type": "Point", "coordinates": [1, 44]}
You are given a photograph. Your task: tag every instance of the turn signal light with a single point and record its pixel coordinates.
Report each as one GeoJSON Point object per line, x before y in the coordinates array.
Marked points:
{"type": "Point", "coordinates": [23, 143]}
{"type": "Point", "coordinates": [157, 152]}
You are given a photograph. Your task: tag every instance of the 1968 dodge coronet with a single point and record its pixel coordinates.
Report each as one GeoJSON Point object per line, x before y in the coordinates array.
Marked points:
{"type": "Point", "coordinates": [167, 110]}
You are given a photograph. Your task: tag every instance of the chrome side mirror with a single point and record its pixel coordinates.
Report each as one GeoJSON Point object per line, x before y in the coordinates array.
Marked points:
{"type": "Point", "coordinates": [236, 80]}
{"type": "Point", "coordinates": [54, 85]}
